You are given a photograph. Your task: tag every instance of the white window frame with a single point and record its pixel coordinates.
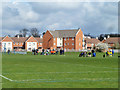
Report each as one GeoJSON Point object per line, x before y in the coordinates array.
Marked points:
{"type": "Point", "coordinates": [72, 43]}
{"type": "Point", "coordinates": [54, 43]}
{"type": "Point", "coordinates": [72, 38]}
{"type": "Point", "coordinates": [65, 44]}
{"type": "Point", "coordinates": [65, 38]}
{"type": "Point", "coordinates": [68, 38]}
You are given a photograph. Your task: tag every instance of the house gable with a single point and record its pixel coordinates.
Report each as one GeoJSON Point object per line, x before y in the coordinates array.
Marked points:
{"type": "Point", "coordinates": [31, 39]}
{"type": "Point", "coordinates": [7, 39]}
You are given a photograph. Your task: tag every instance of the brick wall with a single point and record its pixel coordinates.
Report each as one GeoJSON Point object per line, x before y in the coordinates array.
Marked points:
{"type": "Point", "coordinates": [79, 40]}
{"type": "Point", "coordinates": [68, 42]}
{"type": "Point", "coordinates": [47, 40]}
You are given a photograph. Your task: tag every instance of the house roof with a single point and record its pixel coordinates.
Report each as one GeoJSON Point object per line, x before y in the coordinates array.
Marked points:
{"type": "Point", "coordinates": [40, 40]}
{"type": "Point", "coordinates": [92, 40]}
{"type": "Point", "coordinates": [112, 40]}
{"type": "Point", "coordinates": [1, 38]}
{"type": "Point", "coordinates": [23, 39]}
{"type": "Point", "coordinates": [64, 33]}
{"type": "Point", "coordinates": [20, 39]}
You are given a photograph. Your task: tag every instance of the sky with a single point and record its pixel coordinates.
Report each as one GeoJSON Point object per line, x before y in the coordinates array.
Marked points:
{"type": "Point", "coordinates": [92, 17]}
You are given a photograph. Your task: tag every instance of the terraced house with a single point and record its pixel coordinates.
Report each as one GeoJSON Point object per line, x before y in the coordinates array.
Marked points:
{"type": "Point", "coordinates": [19, 43]}
{"type": "Point", "coordinates": [66, 39]}
{"type": "Point", "coordinates": [91, 42]}
{"type": "Point", "coordinates": [112, 41]}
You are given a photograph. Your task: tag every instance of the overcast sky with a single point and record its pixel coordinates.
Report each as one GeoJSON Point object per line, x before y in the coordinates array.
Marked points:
{"type": "Point", "coordinates": [94, 17]}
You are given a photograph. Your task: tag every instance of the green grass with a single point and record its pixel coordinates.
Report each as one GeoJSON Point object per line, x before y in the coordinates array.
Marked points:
{"type": "Point", "coordinates": [55, 71]}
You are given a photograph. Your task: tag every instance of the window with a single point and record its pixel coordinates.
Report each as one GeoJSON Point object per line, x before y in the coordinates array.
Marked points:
{"type": "Point", "coordinates": [40, 43]}
{"type": "Point", "coordinates": [54, 43]}
{"type": "Point", "coordinates": [72, 43]}
{"type": "Point", "coordinates": [68, 38]}
{"type": "Point", "coordinates": [8, 43]}
{"type": "Point", "coordinates": [29, 48]}
{"type": "Point", "coordinates": [60, 38]}
{"type": "Point", "coordinates": [33, 43]}
{"type": "Point", "coordinates": [68, 43]}
{"type": "Point", "coordinates": [72, 48]}
{"type": "Point", "coordinates": [73, 38]}
{"type": "Point", "coordinates": [54, 39]}
{"type": "Point", "coordinates": [29, 44]}
{"type": "Point", "coordinates": [60, 44]}
{"type": "Point", "coordinates": [65, 44]}
{"type": "Point", "coordinates": [79, 39]}
{"type": "Point", "coordinates": [14, 43]}
{"type": "Point", "coordinates": [79, 44]}
{"type": "Point", "coordinates": [65, 39]}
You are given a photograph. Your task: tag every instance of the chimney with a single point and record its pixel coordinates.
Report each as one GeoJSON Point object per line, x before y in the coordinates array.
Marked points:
{"type": "Point", "coordinates": [108, 36]}
{"type": "Point", "coordinates": [104, 38]}
{"type": "Point", "coordinates": [41, 36]}
{"type": "Point", "coordinates": [18, 36]}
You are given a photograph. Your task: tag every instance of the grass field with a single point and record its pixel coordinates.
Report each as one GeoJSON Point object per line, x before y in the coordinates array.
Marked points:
{"type": "Point", "coordinates": [55, 71]}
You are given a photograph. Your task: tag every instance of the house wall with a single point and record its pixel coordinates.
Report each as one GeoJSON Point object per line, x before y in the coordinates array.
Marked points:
{"type": "Point", "coordinates": [54, 43]}
{"type": "Point", "coordinates": [79, 40]}
{"type": "Point", "coordinates": [59, 42]}
{"type": "Point", "coordinates": [68, 43]}
{"type": "Point", "coordinates": [7, 46]}
{"type": "Point", "coordinates": [47, 40]}
{"type": "Point", "coordinates": [31, 46]}
{"type": "Point", "coordinates": [7, 43]}
{"type": "Point", "coordinates": [31, 43]}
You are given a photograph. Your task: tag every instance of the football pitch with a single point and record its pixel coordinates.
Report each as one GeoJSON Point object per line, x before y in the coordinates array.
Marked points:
{"type": "Point", "coordinates": [59, 71]}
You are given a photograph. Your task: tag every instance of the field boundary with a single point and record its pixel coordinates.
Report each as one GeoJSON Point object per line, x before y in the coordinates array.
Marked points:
{"type": "Point", "coordinates": [58, 80]}
{"type": "Point", "coordinates": [6, 78]}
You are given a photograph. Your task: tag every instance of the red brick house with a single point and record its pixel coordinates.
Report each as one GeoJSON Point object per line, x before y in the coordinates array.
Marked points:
{"type": "Point", "coordinates": [18, 43]}
{"type": "Point", "coordinates": [66, 39]}
{"type": "Point", "coordinates": [6, 43]}
{"type": "Point", "coordinates": [112, 41]}
{"type": "Point", "coordinates": [90, 43]}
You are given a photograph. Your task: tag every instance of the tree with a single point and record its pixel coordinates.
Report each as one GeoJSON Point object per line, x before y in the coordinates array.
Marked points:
{"type": "Point", "coordinates": [101, 47]}
{"type": "Point", "coordinates": [34, 32]}
{"type": "Point", "coordinates": [24, 32]}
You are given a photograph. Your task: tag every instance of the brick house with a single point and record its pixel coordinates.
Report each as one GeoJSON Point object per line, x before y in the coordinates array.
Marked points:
{"type": "Point", "coordinates": [112, 41]}
{"type": "Point", "coordinates": [91, 42]}
{"type": "Point", "coordinates": [18, 43]}
{"type": "Point", "coordinates": [6, 43]}
{"type": "Point", "coordinates": [66, 39]}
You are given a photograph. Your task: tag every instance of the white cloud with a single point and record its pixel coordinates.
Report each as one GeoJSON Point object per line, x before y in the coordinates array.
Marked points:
{"type": "Point", "coordinates": [94, 18]}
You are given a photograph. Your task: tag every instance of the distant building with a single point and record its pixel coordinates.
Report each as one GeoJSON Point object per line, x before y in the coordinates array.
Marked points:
{"type": "Point", "coordinates": [90, 43]}
{"type": "Point", "coordinates": [112, 41]}
{"type": "Point", "coordinates": [66, 39]}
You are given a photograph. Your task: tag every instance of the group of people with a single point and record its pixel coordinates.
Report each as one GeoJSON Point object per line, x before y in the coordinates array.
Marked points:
{"type": "Point", "coordinates": [35, 51]}
{"type": "Point", "coordinates": [88, 54]}
{"type": "Point", "coordinates": [48, 52]}
{"type": "Point", "coordinates": [109, 53]}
